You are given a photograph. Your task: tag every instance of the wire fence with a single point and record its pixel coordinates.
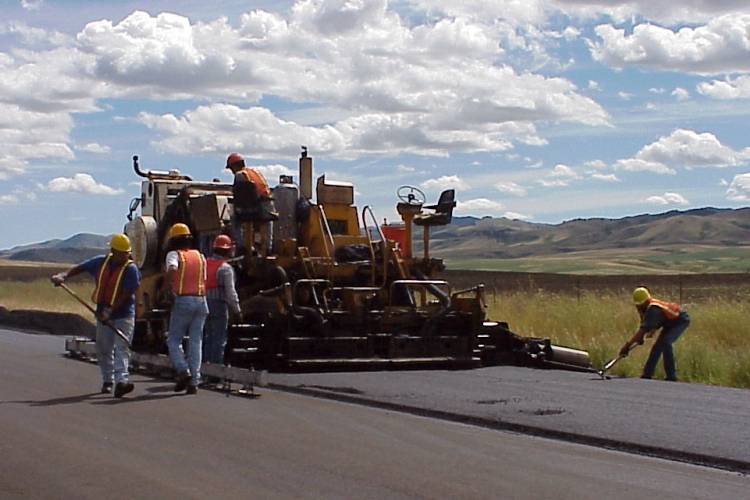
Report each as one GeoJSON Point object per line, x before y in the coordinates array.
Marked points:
{"type": "Point", "coordinates": [681, 288]}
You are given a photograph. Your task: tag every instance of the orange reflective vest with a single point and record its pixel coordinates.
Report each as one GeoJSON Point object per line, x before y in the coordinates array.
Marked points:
{"type": "Point", "coordinates": [212, 266]}
{"type": "Point", "coordinates": [257, 178]}
{"type": "Point", "coordinates": [189, 278]}
{"type": "Point", "coordinates": [108, 282]}
{"type": "Point", "coordinates": [671, 309]}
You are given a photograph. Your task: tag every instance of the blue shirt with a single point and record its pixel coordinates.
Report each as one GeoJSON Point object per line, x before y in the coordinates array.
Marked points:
{"type": "Point", "coordinates": [131, 280]}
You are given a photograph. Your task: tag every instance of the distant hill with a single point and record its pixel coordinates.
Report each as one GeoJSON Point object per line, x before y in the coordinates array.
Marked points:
{"type": "Point", "coordinates": [718, 239]}
{"type": "Point", "coordinates": [71, 250]}
{"type": "Point", "coordinates": [510, 239]}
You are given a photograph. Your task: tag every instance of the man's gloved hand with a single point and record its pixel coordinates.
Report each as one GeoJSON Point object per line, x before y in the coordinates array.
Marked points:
{"type": "Point", "coordinates": [103, 316]}
{"type": "Point", "coordinates": [625, 350]}
{"type": "Point", "coordinates": [59, 279]}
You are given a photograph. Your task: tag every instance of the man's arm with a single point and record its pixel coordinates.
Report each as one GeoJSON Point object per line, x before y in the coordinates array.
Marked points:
{"type": "Point", "coordinates": [59, 279]}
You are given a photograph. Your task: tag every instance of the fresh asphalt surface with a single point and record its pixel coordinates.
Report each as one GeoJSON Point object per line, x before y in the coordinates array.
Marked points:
{"type": "Point", "coordinates": [689, 422]}
{"type": "Point", "coordinates": [60, 438]}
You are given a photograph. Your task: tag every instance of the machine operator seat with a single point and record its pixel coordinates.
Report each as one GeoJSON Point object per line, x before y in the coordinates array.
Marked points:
{"type": "Point", "coordinates": [249, 206]}
{"type": "Point", "coordinates": [443, 210]}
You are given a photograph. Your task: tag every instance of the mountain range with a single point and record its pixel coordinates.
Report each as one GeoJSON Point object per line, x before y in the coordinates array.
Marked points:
{"type": "Point", "coordinates": [706, 234]}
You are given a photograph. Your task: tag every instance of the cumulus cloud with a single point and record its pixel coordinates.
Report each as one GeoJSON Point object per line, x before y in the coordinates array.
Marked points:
{"type": "Point", "coordinates": [511, 188]}
{"type": "Point", "coordinates": [82, 184]}
{"type": "Point", "coordinates": [739, 189]}
{"type": "Point", "coordinates": [517, 216]}
{"type": "Point", "coordinates": [684, 148]}
{"type": "Point", "coordinates": [391, 86]}
{"type": "Point", "coordinates": [479, 207]}
{"type": "Point", "coordinates": [669, 198]}
{"type": "Point", "coordinates": [445, 182]}
{"type": "Point", "coordinates": [729, 88]}
{"type": "Point", "coordinates": [719, 46]}
{"type": "Point", "coordinates": [93, 147]}
{"type": "Point", "coordinates": [681, 94]}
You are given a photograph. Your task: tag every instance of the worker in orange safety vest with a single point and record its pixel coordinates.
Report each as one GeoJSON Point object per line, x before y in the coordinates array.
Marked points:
{"type": "Point", "coordinates": [655, 314]}
{"type": "Point", "coordinates": [186, 279]}
{"type": "Point", "coordinates": [116, 280]}
{"type": "Point", "coordinates": [221, 296]}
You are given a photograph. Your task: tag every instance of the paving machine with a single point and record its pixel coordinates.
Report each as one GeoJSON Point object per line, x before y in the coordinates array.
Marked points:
{"type": "Point", "coordinates": [322, 284]}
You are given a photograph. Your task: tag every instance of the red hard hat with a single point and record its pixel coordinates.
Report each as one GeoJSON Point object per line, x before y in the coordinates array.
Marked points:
{"type": "Point", "coordinates": [223, 242]}
{"type": "Point", "coordinates": [234, 158]}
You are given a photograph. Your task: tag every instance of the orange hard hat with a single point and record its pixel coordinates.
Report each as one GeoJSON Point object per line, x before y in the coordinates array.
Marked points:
{"type": "Point", "coordinates": [234, 158]}
{"type": "Point", "coordinates": [223, 242]}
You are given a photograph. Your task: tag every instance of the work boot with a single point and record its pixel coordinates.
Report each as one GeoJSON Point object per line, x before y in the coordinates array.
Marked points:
{"type": "Point", "coordinates": [107, 387]}
{"type": "Point", "coordinates": [182, 381]}
{"type": "Point", "coordinates": [192, 389]}
{"type": "Point", "coordinates": [123, 388]}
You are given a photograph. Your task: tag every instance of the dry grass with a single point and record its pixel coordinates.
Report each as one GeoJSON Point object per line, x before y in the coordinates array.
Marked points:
{"type": "Point", "coordinates": [715, 349]}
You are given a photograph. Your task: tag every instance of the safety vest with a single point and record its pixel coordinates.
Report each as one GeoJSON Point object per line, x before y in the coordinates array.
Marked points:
{"type": "Point", "coordinates": [212, 266]}
{"type": "Point", "coordinates": [257, 178]}
{"type": "Point", "coordinates": [671, 309]}
{"type": "Point", "coordinates": [188, 280]}
{"type": "Point", "coordinates": [108, 282]}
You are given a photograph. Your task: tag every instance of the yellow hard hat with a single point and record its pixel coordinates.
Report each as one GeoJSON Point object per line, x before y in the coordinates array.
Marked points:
{"type": "Point", "coordinates": [179, 229]}
{"type": "Point", "coordinates": [640, 295]}
{"type": "Point", "coordinates": [120, 242]}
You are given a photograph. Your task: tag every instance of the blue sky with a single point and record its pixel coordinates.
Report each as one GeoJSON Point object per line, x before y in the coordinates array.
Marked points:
{"type": "Point", "coordinates": [544, 111]}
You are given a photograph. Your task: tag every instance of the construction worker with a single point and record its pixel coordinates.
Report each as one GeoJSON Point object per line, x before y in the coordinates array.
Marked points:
{"type": "Point", "coordinates": [267, 214]}
{"type": "Point", "coordinates": [116, 280]}
{"type": "Point", "coordinates": [655, 314]}
{"type": "Point", "coordinates": [186, 279]}
{"type": "Point", "coordinates": [221, 296]}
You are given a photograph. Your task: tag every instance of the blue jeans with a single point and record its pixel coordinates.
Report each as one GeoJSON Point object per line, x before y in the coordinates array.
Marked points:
{"type": "Point", "coordinates": [215, 331]}
{"type": "Point", "coordinates": [112, 355]}
{"type": "Point", "coordinates": [663, 347]}
{"type": "Point", "coordinates": [188, 316]}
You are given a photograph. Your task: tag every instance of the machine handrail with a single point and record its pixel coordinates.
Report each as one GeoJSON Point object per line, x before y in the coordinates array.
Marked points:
{"type": "Point", "coordinates": [383, 244]}
{"type": "Point", "coordinates": [329, 239]}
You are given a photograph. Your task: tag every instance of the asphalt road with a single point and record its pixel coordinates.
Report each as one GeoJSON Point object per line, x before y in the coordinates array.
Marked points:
{"type": "Point", "coordinates": [695, 423]}
{"type": "Point", "coordinates": [59, 438]}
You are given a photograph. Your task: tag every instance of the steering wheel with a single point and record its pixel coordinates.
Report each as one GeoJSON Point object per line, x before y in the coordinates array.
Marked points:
{"type": "Point", "coordinates": [411, 195]}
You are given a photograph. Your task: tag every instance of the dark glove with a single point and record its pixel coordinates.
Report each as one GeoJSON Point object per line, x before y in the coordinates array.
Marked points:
{"type": "Point", "coordinates": [625, 350]}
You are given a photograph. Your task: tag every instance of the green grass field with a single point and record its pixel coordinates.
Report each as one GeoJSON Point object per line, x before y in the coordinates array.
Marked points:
{"type": "Point", "coordinates": [695, 259]}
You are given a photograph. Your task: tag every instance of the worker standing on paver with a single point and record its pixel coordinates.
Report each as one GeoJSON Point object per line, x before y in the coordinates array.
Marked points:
{"type": "Point", "coordinates": [186, 279]}
{"type": "Point", "coordinates": [117, 279]}
{"type": "Point", "coordinates": [655, 314]}
{"type": "Point", "coordinates": [221, 296]}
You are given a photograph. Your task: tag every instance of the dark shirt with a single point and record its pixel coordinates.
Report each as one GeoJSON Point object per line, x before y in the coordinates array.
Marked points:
{"type": "Point", "coordinates": [130, 282]}
{"type": "Point", "coordinates": [656, 318]}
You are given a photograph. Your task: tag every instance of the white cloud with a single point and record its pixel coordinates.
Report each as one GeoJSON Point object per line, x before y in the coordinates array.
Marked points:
{"type": "Point", "coordinates": [605, 177]}
{"type": "Point", "coordinates": [729, 88]}
{"type": "Point", "coordinates": [681, 94]}
{"type": "Point", "coordinates": [517, 216]}
{"type": "Point", "coordinates": [445, 182]}
{"type": "Point", "coordinates": [561, 170]}
{"type": "Point", "coordinates": [669, 198]}
{"type": "Point", "coordinates": [739, 189]}
{"type": "Point", "coordinates": [684, 148]}
{"type": "Point", "coordinates": [719, 46]}
{"type": "Point", "coordinates": [80, 183]}
{"type": "Point", "coordinates": [93, 147]}
{"type": "Point", "coordinates": [511, 188]}
{"type": "Point", "coordinates": [479, 207]}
